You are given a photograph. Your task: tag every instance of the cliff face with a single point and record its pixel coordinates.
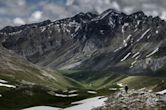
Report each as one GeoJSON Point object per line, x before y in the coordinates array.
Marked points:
{"type": "Point", "coordinates": [110, 41]}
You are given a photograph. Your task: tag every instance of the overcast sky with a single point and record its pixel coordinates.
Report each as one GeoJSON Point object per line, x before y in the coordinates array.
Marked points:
{"type": "Point", "coordinates": [18, 12]}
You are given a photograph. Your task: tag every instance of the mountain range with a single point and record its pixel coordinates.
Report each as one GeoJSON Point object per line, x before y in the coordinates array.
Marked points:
{"type": "Point", "coordinates": [86, 51]}
{"type": "Point", "coordinates": [110, 41]}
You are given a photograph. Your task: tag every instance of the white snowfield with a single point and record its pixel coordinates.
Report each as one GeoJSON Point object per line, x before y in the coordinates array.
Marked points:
{"type": "Point", "coordinates": [42, 108]}
{"type": "Point", "coordinates": [136, 54]}
{"type": "Point", "coordinates": [154, 51]}
{"type": "Point", "coordinates": [120, 84]}
{"type": "Point", "coordinates": [92, 92]}
{"type": "Point", "coordinates": [86, 104]}
{"type": "Point", "coordinates": [126, 56]}
{"type": "Point", "coordinates": [60, 95]}
{"type": "Point", "coordinates": [113, 89]}
{"type": "Point", "coordinates": [63, 95]}
{"type": "Point", "coordinates": [142, 36]}
{"type": "Point", "coordinates": [3, 81]}
{"type": "Point", "coordinates": [162, 92]}
{"type": "Point", "coordinates": [7, 85]}
{"type": "Point", "coordinates": [73, 91]}
{"type": "Point", "coordinates": [73, 95]}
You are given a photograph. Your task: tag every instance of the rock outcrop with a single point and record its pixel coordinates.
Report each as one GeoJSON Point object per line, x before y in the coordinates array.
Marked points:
{"type": "Point", "coordinates": [142, 99]}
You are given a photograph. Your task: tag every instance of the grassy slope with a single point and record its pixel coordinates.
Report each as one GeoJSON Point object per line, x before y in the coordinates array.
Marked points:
{"type": "Point", "coordinates": [17, 69]}
{"type": "Point", "coordinates": [32, 83]}
{"type": "Point", "coordinates": [101, 80]}
{"type": "Point", "coordinates": [151, 82]}
{"type": "Point", "coordinates": [94, 79]}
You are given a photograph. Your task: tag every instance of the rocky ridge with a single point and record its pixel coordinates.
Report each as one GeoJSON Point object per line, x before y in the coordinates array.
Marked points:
{"type": "Point", "coordinates": [141, 99]}
{"type": "Point", "coordinates": [110, 41]}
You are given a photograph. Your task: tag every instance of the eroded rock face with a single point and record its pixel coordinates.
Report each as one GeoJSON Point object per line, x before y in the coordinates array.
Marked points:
{"type": "Point", "coordinates": [110, 41]}
{"type": "Point", "coordinates": [142, 99]}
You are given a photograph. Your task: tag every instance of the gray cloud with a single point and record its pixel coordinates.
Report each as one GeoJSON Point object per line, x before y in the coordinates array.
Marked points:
{"type": "Point", "coordinates": [17, 12]}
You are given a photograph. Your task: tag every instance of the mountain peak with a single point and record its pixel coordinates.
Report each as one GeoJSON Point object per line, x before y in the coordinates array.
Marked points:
{"type": "Point", "coordinates": [81, 17]}
{"type": "Point", "coordinates": [111, 11]}
{"type": "Point", "coordinates": [10, 29]}
{"type": "Point", "coordinates": [108, 41]}
{"type": "Point", "coordinates": [139, 13]}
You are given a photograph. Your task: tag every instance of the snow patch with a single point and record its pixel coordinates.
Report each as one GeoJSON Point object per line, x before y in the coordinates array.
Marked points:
{"type": "Point", "coordinates": [43, 29]}
{"type": "Point", "coordinates": [135, 55]}
{"type": "Point", "coordinates": [88, 104]}
{"type": "Point", "coordinates": [71, 65]}
{"type": "Point", "coordinates": [113, 89]}
{"type": "Point", "coordinates": [138, 22]}
{"type": "Point", "coordinates": [50, 24]}
{"type": "Point", "coordinates": [60, 95]}
{"type": "Point", "coordinates": [142, 36]}
{"type": "Point", "coordinates": [161, 92]}
{"type": "Point", "coordinates": [117, 49]}
{"type": "Point", "coordinates": [64, 95]}
{"type": "Point", "coordinates": [132, 64]}
{"type": "Point", "coordinates": [43, 108]}
{"type": "Point", "coordinates": [136, 30]}
{"type": "Point", "coordinates": [128, 37]}
{"type": "Point", "coordinates": [13, 33]}
{"type": "Point", "coordinates": [123, 27]}
{"type": "Point", "coordinates": [77, 28]}
{"type": "Point", "coordinates": [72, 91]}
{"type": "Point", "coordinates": [148, 36]}
{"type": "Point", "coordinates": [3, 81]}
{"type": "Point", "coordinates": [72, 95]}
{"type": "Point", "coordinates": [102, 31]}
{"type": "Point", "coordinates": [104, 15]}
{"type": "Point", "coordinates": [74, 24]}
{"type": "Point", "coordinates": [67, 30]}
{"type": "Point", "coordinates": [156, 50]}
{"type": "Point", "coordinates": [126, 40]}
{"type": "Point", "coordinates": [120, 84]}
{"type": "Point", "coordinates": [7, 85]}
{"type": "Point", "coordinates": [92, 92]}
{"type": "Point", "coordinates": [126, 56]}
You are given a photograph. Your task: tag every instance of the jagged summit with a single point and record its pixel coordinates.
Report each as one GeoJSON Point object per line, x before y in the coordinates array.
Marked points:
{"type": "Point", "coordinates": [10, 29]}
{"type": "Point", "coordinates": [82, 17]}
{"type": "Point", "coordinates": [109, 41]}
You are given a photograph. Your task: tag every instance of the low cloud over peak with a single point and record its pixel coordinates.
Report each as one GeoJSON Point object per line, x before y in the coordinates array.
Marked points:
{"type": "Point", "coordinates": [18, 12]}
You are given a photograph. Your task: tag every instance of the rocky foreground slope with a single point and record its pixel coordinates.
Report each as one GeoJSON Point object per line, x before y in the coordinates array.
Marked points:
{"type": "Point", "coordinates": [141, 99]}
{"type": "Point", "coordinates": [110, 41]}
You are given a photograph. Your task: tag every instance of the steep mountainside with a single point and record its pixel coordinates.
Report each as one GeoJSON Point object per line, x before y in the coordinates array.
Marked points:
{"type": "Point", "coordinates": [18, 71]}
{"type": "Point", "coordinates": [110, 41]}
